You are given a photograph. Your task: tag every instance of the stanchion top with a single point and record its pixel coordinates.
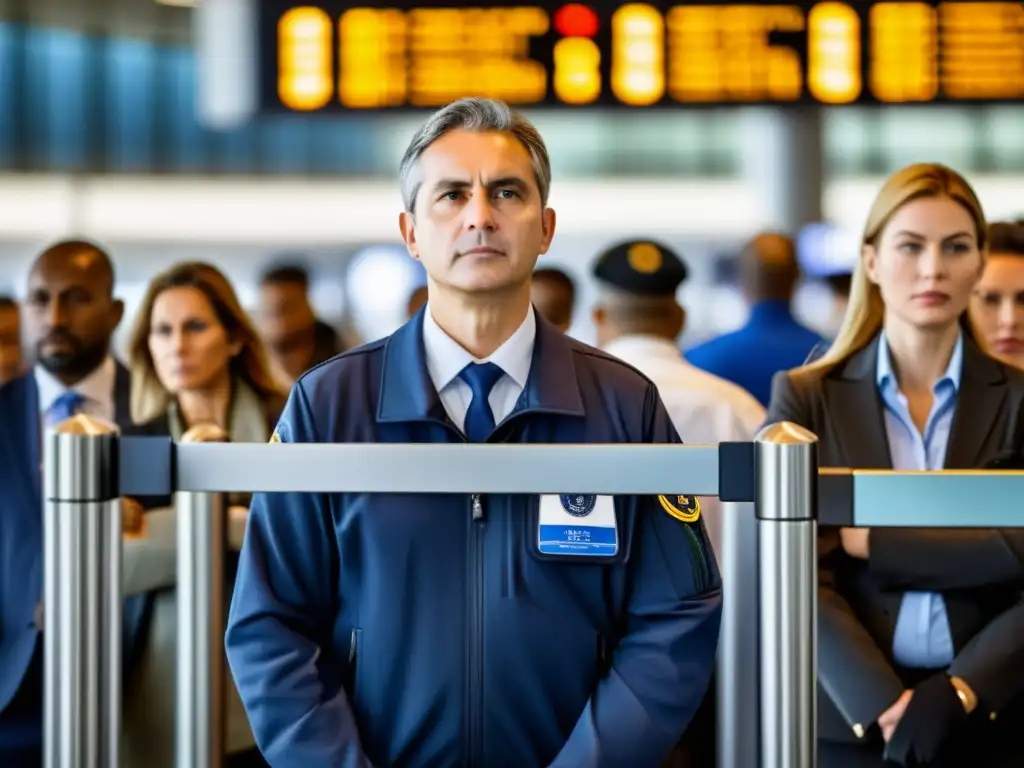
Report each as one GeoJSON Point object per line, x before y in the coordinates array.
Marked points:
{"type": "Point", "coordinates": [76, 470]}
{"type": "Point", "coordinates": [205, 433]}
{"type": "Point", "coordinates": [785, 433]}
{"type": "Point", "coordinates": [84, 426]}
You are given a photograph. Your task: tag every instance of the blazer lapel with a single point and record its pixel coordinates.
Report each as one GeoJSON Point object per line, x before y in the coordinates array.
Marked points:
{"type": "Point", "coordinates": [122, 396]}
{"type": "Point", "coordinates": [855, 408]}
{"type": "Point", "coordinates": [983, 390]}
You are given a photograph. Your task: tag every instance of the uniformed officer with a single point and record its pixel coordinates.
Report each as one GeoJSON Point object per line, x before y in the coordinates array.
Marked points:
{"type": "Point", "coordinates": [468, 630]}
{"type": "Point", "coordinates": [638, 320]}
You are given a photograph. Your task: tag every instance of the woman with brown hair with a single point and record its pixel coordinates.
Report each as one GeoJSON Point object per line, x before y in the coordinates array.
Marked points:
{"type": "Point", "coordinates": [196, 360]}
{"type": "Point", "coordinates": [921, 631]}
{"type": "Point", "coordinates": [997, 307]}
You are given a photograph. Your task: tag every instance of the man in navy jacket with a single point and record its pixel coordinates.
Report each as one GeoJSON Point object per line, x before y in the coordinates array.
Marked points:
{"type": "Point", "coordinates": [474, 630]}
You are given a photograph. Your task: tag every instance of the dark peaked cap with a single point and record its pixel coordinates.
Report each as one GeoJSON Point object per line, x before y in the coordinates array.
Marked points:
{"type": "Point", "coordinates": [641, 267]}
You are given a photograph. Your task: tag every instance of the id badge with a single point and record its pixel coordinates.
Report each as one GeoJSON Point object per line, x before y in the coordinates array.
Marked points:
{"type": "Point", "coordinates": [580, 525]}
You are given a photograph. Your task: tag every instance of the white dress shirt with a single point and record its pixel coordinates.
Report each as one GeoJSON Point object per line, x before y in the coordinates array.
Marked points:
{"type": "Point", "coordinates": [97, 389]}
{"type": "Point", "coordinates": [446, 359]}
{"type": "Point", "coordinates": [703, 407]}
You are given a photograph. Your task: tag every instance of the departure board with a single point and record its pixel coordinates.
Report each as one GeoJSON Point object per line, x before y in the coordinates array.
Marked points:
{"type": "Point", "coordinates": [330, 55]}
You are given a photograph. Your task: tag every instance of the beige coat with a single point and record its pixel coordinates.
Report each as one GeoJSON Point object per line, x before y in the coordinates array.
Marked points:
{"type": "Point", "coordinates": [150, 565]}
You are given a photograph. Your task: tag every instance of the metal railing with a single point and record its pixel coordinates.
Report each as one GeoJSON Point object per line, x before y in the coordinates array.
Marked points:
{"type": "Point", "coordinates": [88, 467]}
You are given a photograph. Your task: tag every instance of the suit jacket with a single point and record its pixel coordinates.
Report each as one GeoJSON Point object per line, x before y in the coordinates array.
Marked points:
{"type": "Point", "coordinates": [21, 526]}
{"type": "Point", "coordinates": [979, 572]}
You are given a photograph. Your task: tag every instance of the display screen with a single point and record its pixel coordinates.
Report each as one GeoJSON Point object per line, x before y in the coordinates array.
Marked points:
{"type": "Point", "coordinates": [329, 56]}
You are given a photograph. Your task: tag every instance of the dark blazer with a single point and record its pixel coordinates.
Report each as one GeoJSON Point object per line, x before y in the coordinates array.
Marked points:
{"type": "Point", "coordinates": [979, 572]}
{"type": "Point", "coordinates": [21, 530]}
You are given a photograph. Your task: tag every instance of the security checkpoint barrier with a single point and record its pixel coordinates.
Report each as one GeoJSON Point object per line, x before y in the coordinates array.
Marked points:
{"type": "Point", "coordinates": [847, 498]}
{"type": "Point", "coordinates": [88, 468]}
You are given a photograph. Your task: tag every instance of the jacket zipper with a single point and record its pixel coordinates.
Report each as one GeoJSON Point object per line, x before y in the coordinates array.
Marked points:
{"type": "Point", "coordinates": [701, 572]}
{"type": "Point", "coordinates": [353, 659]}
{"type": "Point", "coordinates": [475, 676]}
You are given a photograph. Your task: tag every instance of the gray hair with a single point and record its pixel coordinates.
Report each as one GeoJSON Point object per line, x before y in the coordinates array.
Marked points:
{"type": "Point", "coordinates": [474, 114]}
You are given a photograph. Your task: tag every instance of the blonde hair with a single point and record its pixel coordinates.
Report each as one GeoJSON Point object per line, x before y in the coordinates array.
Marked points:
{"type": "Point", "coordinates": [149, 398]}
{"type": "Point", "coordinates": [865, 309]}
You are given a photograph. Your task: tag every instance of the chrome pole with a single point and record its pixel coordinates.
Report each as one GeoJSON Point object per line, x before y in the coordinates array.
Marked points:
{"type": "Point", "coordinates": [787, 550]}
{"type": "Point", "coordinates": [82, 595]}
{"type": "Point", "coordinates": [200, 731]}
{"type": "Point", "coordinates": [737, 668]}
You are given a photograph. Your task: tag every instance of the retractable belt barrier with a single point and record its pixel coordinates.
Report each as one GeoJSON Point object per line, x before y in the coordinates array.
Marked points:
{"type": "Point", "coordinates": [88, 467]}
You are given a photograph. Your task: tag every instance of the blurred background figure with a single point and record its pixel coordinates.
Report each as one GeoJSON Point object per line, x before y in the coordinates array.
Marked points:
{"type": "Point", "coordinates": [839, 284]}
{"type": "Point", "coordinates": [11, 364]}
{"type": "Point", "coordinates": [997, 306]}
{"type": "Point", "coordinates": [196, 359]}
{"type": "Point", "coordinates": [296, 338]}
{"type": "Point", "coordinates": [416, 301]}
{"type": "Point", "coordinates": [638, 320]}
{"type": "Point", "coordinates": [772, 340]}
{"type": "Point", "coordinates": [554, 296]}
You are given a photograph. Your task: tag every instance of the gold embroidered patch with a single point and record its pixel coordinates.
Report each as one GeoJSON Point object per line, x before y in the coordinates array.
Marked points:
{"type": "Point", "coordinates": [685, 508]}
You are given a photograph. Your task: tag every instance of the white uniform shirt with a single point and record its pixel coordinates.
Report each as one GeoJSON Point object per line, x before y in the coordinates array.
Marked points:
{"type": "Point", "coordinates": [703, 407]}
{"type": "Point", "coordinates": [446, 359]}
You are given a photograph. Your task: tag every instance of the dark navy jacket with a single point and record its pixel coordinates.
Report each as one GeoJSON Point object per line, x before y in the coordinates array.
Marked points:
{"type": "Point", "coordinates": [771, 341]}
{"type": "Point", "coordinates": [21, 545]}
{"type": "Point", "coordinates": [395, 630]}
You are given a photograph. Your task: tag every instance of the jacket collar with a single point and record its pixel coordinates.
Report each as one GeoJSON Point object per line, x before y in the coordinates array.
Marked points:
{"type": "Point", "coordinates": [407, 393]}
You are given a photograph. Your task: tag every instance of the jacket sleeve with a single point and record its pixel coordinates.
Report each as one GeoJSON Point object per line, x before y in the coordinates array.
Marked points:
{"type": "Point", "coordinates": [852, 670]}
{"type": "Point", "coordinates": [664, 658]}
{"type": "Point", "coordinates": [279, 633]}
{"type": "Point", "coordinates": [940, 559]}
{"type": "Point", "coordinates": [992, 663]}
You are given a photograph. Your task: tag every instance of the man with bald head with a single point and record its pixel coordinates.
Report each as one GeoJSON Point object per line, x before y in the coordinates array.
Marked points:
{"type": "Point", "coordinates": [772, 340]}
{"type": "Point", "coordinates": [69, 316]}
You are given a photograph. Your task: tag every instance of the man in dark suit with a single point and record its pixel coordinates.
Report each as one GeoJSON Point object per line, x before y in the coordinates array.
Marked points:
{"type": "Point", "coordinates": [70, 316]}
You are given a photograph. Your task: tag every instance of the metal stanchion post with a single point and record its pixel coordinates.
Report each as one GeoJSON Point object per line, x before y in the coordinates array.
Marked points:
{"type": "Point", "coordinates": [787, 549]}
{"type": "Point", "coordinates": [201, 617]}
{"type": "Point", "coordinates": [82, 595]}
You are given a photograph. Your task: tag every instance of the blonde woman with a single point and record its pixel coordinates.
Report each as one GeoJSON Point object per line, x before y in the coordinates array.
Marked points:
{"type": "Point", "coordinates": [921, 631]}
{"type": "Point", "coordinates": [997, 307]}
{"type": "Point", "coordinates": [195, 360]}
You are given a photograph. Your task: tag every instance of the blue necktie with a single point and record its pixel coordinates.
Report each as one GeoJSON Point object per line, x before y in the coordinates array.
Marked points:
{"type": "Point", "coordinates": [481, 378]}
{"type": "Point", "coordinates": [64, 407]}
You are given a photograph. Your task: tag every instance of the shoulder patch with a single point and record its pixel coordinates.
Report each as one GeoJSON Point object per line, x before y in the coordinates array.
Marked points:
{"type": "Point", "coordinates": [686, 509]}
{"type": "Point", "coordinates": [275, 438]}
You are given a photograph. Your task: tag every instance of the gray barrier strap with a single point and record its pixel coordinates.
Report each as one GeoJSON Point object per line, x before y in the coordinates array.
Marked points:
{"type": "Point", "coordinates": [402, 468]}
{"type": "Point", "coordinates": [951, 499]}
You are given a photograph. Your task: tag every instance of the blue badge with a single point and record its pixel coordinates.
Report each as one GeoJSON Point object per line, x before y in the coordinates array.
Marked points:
{"type": "Point", "coordinates": [578, 506]}
{"type": "Point", "coordinates": [561, 529]}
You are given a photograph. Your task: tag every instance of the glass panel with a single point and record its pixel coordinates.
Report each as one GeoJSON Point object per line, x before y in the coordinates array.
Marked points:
{"type": "Point", "coordinates": [1005, 138]}
{"type": "Point", "coordinates": [64, 69]}
{"type": "Point", "coordinates": [129, 102]}
{"type": "Point", "coordinates": [8, 127]}
{"type": "Point", "coordinates": [185, 139]}
{"type": "Point", "coordinates": [934, 134]}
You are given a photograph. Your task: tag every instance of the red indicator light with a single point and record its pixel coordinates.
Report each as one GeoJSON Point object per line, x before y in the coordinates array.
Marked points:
{"type": "Point", "coordinates": [576, 20]}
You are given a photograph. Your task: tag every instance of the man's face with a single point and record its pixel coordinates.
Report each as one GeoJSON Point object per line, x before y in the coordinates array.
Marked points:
{"type": "Point", "coordinates": [10, 343]}
{"type": "Point", "coordinates": [70, 314]}
{"type": "Point", "coordinates": [478, 225]}
{"type": "Point", "coordinates": [285, 315]}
